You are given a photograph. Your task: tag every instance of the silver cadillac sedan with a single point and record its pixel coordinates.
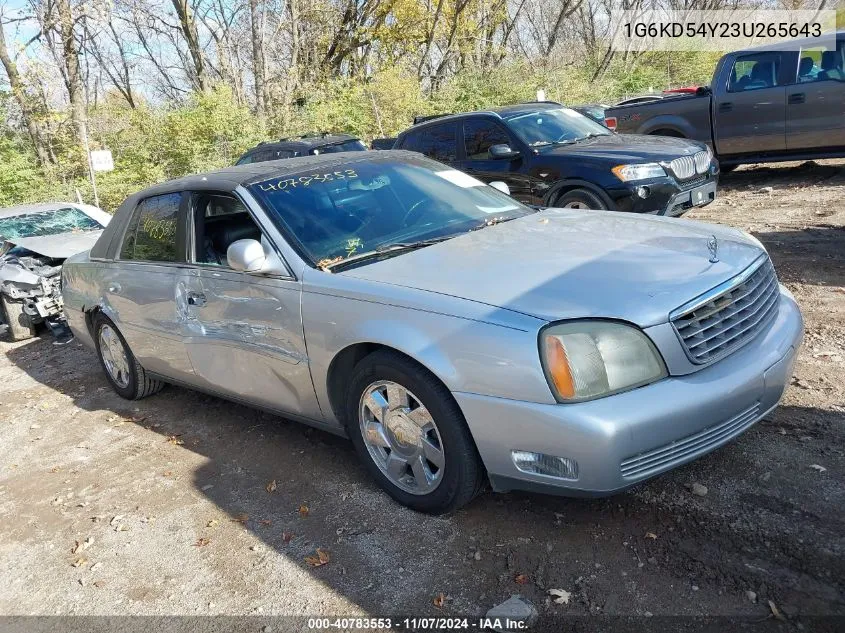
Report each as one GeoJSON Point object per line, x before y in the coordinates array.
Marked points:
{"type": "Point", "coordinates": [456, 336]}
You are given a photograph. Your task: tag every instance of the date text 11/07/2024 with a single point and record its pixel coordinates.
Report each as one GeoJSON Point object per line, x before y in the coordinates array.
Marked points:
{"type": "Point", "coordinates": [416, 624]}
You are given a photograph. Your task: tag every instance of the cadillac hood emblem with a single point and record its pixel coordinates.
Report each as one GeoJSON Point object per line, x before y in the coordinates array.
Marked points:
{"type": "Point", "coordinates": [713, 247]}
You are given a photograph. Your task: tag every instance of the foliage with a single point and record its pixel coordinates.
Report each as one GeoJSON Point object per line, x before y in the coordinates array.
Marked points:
{"type": "Point", "coordinates": [211, 129]}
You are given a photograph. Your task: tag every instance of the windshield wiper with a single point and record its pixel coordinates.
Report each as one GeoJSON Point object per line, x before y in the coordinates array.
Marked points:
{"type": "Point", "coordinates": [589, 136]}
{"type": "Point", "coordinates": [492, 221]}
{"type": "Point", "coordinates": [394, 248]}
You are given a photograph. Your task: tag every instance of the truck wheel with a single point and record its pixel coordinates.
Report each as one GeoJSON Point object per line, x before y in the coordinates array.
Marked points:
{"type": "Point", "coordinates": [671, 133]}
{"type": "Point", "coordinates": [20, 327]}
{"type": "Point", "coordinates": [411, 435]}
{"type": "Point", "coordinates": [580, 199]}
{"type": "Point", "coordinates": [123, 371]}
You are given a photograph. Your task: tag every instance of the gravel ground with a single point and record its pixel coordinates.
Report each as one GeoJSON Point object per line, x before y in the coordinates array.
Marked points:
{"type": "Point", "coordinates": [165, 506]}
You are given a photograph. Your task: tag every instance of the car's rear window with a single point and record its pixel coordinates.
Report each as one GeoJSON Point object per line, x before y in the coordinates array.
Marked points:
{"type": "Point", "coordinates": [347, 146]}
{"type": "Point", "coordinates": [41, 223]}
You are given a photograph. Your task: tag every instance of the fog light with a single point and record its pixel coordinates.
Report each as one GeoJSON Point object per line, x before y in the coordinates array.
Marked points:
{"type": "Point", "coordinates": [643, 192]}
{"type": "Point", "coordinates": [542, 464]}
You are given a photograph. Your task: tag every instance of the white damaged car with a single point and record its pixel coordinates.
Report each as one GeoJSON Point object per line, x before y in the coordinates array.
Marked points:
{"type": "Point", "coordinates": [35, 240]}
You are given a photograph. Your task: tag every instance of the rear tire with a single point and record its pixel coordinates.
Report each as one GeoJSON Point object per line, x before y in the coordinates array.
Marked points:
{"type": "Point", "coordinates": [20, 327]}
{"type": "Point", "coordinates": [580, 199]}
{"type": "Point", "coordinates": [122, 369]}
{"type": "Point", "coordinates": [416, 445]}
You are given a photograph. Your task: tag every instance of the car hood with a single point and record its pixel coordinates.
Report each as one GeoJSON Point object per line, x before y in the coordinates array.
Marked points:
{"type": "Point", "coordinates": [627, 147]}
{"type": "Point", "coordinates": [563, 264]}
{"type": "Point", "coordinates": [59, 246]}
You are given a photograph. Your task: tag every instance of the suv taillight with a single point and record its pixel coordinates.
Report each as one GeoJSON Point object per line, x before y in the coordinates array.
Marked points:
{"type": "Point", "coordinates": [610, 122]}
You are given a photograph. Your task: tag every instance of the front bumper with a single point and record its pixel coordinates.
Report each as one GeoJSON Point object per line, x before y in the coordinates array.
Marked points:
{"type": "Point", "coordinates": [666, 196]}
{"type": "Point", "coordinates": [623, 439]}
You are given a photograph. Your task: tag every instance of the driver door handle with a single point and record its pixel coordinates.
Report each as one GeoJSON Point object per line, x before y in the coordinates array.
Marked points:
{"type": "Point", "coordinates": [196, 299]}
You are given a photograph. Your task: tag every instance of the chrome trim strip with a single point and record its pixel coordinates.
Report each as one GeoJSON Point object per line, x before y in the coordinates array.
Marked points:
{"type": "Point", "coordinates": [723, 287]}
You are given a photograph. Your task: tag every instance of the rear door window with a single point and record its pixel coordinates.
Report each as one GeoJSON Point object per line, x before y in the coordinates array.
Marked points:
{"type": "Point", "coordinates": [152, 232]}
{"type": "Point", "coordinates": [821, 63]}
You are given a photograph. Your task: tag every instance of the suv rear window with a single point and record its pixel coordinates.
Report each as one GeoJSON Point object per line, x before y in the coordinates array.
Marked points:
{"type": "Point", "coordinates": [152, 232]}
{"type": "Point", "coordinates": [437, 141]}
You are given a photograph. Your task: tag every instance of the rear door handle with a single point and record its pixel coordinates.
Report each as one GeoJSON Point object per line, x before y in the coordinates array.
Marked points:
{"type": "Point", "coordinates": [726, 107]}
{"type": "Point", "coordinates": [797, 97]}
{"type": "Point", "coordinates": [196, 299]}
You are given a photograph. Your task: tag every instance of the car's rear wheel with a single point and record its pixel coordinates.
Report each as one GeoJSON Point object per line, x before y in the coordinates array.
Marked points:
{"type": "Point", "coordinates": [411, 435]}
{"type": "Point", "coordinates": [580, 199]}
{"type": "Point", "coordinates": [122, 369]}
{"type": "Point", "coordinates": [20, 327]}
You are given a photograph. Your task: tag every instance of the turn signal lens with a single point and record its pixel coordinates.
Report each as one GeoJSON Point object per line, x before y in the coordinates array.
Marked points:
{"type": "Point", "coordinates": [559, 367]}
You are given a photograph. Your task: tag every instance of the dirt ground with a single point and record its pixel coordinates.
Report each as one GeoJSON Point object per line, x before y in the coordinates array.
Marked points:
{"type": "Point", "coordinates": [162, 506]}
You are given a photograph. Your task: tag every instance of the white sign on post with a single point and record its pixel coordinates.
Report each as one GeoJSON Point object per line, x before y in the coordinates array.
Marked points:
{"type": "Point", "coordinates": [101, 160]}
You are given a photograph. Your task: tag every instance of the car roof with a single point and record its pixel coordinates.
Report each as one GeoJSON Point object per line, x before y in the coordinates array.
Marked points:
{"type": "Point", "coordinates": [501, 112]}
{"type": "Point", "coordinates": [792, 44]}
{"type": "Point", "coordinates": [230, 178]}
{"type": "Point", "coordinates": [304, 142]}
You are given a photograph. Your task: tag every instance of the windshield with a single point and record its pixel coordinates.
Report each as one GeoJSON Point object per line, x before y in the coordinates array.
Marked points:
{"type": "Point", "coordinates": [347, 146]}
{"type": "Point", "coordinates": [42, 223]}
{"type": "Point", "coordinates": [347, 209]}
{"type": "Point", "coordinates": [547, 127]}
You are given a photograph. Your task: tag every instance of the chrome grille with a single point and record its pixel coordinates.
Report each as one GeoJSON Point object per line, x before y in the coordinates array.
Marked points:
{"type": "Point", "coordinates": [692, 183]}
{"type": "Point", "coordinates": [688, 166]}
{"type": "Point", "coordinates": [702, 162]}
{"type": "Point", "coordinates": [683, 167]}
{"type": "Point", "coordinates": [665, 456]}
{"type": "Point", "coordinates": [730, 315]}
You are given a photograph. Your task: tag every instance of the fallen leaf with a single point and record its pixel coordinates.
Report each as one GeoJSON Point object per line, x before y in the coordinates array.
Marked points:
{"type": "Point", "coordinates": [266, 522]}
{"type": "Point", "coordinates": [240, 518]}
{"type": "Point", "coordinates": [319, 560]}
{"type": "Point", "coordinates": [99, 583]}
{"type": "Point", "coordinates": [520, 579]}
{"type": "Point", "coordinates": [55, 469]}
{"type": "Point", "coordinates": [174, 439]}
{"type": "Point", "coordinates": [116, 519]}
{"type": "Point", "coordinates": [79, 547]}
{"type": "Point", "coordinates": [303, 510]}
{"type": "Point", "coordinates": [271, 486]}
{"type": "Point", "coordinates": [211, 523]}
{"type": "Point", "coordinates": [80, 562]}
{"type": "Point", "coordinates": [775, 612]}
{"type": "Point", "coordinates": [287, 537]}
{"type": "Point", "coordinates": [439, 600]}
{"type": "Point", "coordinates": [202, 542]}
{"type": "Point", "coordinates": [651, 535]}
{"type": "Point", "coordinates": [167, 473]}
{"type": "Point", "coordinates": [561, 596]}
{"type": "Point", "coordinates": [821, 469]}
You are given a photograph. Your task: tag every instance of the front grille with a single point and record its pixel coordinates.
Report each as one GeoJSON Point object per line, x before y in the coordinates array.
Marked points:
{"type": "Point", "coordinates": [660, 458]}
{"type": "Point", "coordinates": [692, 183]}
{"type": "Point", "coordinates": [687, 167]}
{"type": "Point", "coordinates": [730, 315]}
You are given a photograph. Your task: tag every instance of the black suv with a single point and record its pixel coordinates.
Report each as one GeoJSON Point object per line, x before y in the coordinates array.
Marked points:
{"type": "Point", "coordinates": [306, 145]}
{"type": "Point", "coordinates": [550, 155]}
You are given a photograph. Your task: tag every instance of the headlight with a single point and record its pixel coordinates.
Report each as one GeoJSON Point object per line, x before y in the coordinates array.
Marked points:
{"type": "Point", "coordinates": [584, 360]}
{"type": "Point", "coordinates": [643, 171]}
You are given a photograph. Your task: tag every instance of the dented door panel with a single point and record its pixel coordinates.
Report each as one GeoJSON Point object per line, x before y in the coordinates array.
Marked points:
{"type": "Point", "coordinates": [244, 337]}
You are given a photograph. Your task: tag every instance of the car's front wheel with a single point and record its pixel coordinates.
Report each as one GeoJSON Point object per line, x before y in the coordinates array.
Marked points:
{"type": "Point", "coordinates": [580, 199]}
{"type": "Point", "coordinates": [411, 435]}
{"type": "Point", "coordinates": [125, 374]}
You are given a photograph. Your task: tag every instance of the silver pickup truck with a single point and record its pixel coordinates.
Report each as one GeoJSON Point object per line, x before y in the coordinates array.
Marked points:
{"type": "Point", "coordinates": [765, 104]}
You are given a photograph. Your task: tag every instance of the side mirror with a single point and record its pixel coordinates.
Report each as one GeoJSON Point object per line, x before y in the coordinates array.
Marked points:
{"type": "Point", "coordinates": [503, 151]}
{"type": "Point", "coordinates": [498, 185]}
{"type": "Point", "coordinates": [252, 256]}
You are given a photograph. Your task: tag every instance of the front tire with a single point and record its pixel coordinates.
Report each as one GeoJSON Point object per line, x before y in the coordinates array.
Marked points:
{"type": "Point", "coordinates": [411, 434]}
{"type": "Point", "coordinates": [20, 327]}
{"type": "Point", "coordinates": [580, 199]}
{"type": "Point", "coordinates": [122, 369]}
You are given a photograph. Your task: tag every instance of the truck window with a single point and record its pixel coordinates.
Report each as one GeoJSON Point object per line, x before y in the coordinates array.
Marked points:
{"type": "Point", "coordinates": [755, 71]}
{"type": "Point", "coordinates": [821, 63]}
{"type": "Point", "coordinates": [438, 142]}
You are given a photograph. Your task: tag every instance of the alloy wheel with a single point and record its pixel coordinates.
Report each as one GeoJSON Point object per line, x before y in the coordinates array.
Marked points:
{"type": "Point", "coordinates": [114, 356]}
